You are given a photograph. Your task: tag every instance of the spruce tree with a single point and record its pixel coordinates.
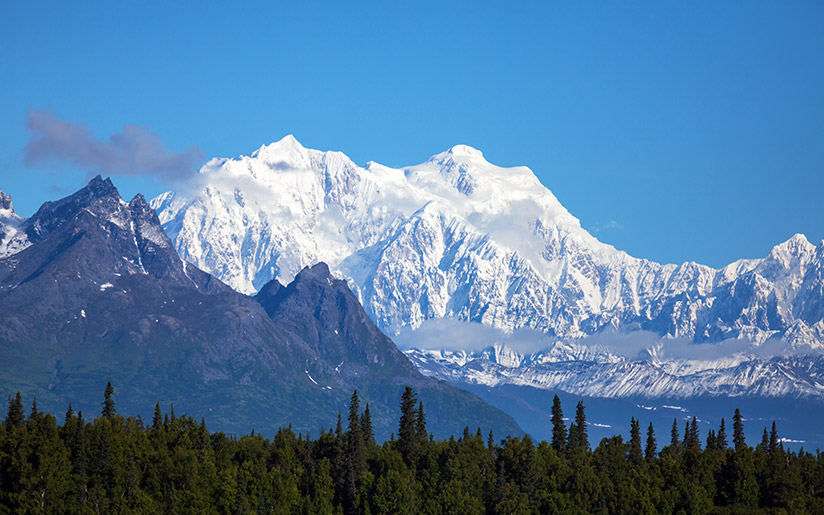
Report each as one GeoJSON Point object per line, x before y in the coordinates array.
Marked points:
{"type": "Point", "coordinates": [69, 414]}
{"type": "Point", "coordinates": [366, 425]}
{"type": "Point", "coordinates": [559, 433]}
{"type": "Point", "coordinates": [738, 439]}
{"type": "Point", "coordinates": [693, 442]}
{"type": "Point", "coordinates": [651, 447]}
{"type": "Point", "coordinates": [581, 425]}
{"type": "Point", "coordinates": [78, 460]}
{"type": "Point", "coordinates": [354, 437]}
{"type": "Point", "coordinates": [15, 417]}
{"type": "Point", "coordinates": [157, 419]}
{"type": "Point", "coordinates": [773, 439]}
{"type": "Point", "coordinates": [339, 428]}
{"type": "Point", "coordinates": [420, 424]}
{"type": "Point", "coordinates": [675, 440]}
{"type": "Point", "coordinates": [33, 413]}
{"type": "Point", "coordinates": [685, 443]}
{"type": "Point", "coordinates": [354, 413]}
{"type": "Point", "coordinates": [407, 426]}
{"type": "Point", "coordinates": [635, 455]}
{"type": "Point", "coordinates": [712, 440]}
{"type": "Point", "coordinates": [572, 436]}
{"type": "Point", "coordinates": [764, 446]}
{"type": "Point", "coordinates": [108, 402]}
{"type": "Point", "coordinates": [721, 437]}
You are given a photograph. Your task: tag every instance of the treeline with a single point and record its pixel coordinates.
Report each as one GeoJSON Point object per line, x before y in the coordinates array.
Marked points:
{"type": "Point", "coordinates": [173, 464]}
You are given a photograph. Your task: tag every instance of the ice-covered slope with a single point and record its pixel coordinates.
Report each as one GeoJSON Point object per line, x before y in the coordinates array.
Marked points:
{"type": "Point", "coordinates": [581, 371]}
{"type": "Point", "coordinates": [461, 238]}
{"type": "Point", "coordinates": [12, 240]}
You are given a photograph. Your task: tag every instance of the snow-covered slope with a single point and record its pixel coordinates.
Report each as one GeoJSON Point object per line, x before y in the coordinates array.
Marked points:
{"type": "Point", "coordinates": [12, 239]}
{"type": "Point", "coordinates": [578, 370]}
{"type": "Point", "coordinates": [458, 237]}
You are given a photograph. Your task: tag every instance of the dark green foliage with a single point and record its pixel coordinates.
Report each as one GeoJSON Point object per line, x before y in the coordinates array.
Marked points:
{"type": "Point", "coordinates": [69, 414]}
{"type": "Point", "coordinates": [738, 439]}
{"type": "Point", "coordinates": [114, 465]}
{"type": "Point", "coordinates": [420, 423]}
{"type": "Point", "coordinates": [559, 432]}
{"type": "Point", "coordinates": [582, 437]}
{"type": "Point", "coordinates": [675, 440]}
{"type": "Point", "coordinates": [651, 448]}
{"type": "Point", "coordinates": [721, 437]}
{"type": "Point", "coordinates": [15, 416]}
{"type": "Point", "coordinates": [635, 454]}
{"type": "Point", "coordinates": [366, 425]}
{"type": "Point", "coordinates": [108, 402]}
{"type": "Point", "coordinates": [407, 426]}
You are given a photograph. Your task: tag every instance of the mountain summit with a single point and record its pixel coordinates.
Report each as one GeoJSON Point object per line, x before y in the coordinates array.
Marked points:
{"type": "Point", "coordinates": [457, 237]}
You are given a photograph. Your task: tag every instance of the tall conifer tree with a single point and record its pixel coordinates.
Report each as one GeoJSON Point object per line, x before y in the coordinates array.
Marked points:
{"type": "Point", "coordinates": [407, 426]}
{"type": "Point", "coordinates": [366, 425]}
{"type": "Point", "coordinates": [675, 440]}
{"type": "Point", "coordinates": [738, 439]}
{"type": "Point", "coordinates": [16, 416]}
{"type": "Point", "coordinates": [581, 424]}
{"type": "Point", "coordinates": [108, 402]}
{"type": "Point", "coordinates": [559, 433]}
{"type": "Point", "coordinates": [721, 437]}
{"type": "Point", "coordinates": [635, 454]}
{"type": "Point", "coordinates": [651, 447]}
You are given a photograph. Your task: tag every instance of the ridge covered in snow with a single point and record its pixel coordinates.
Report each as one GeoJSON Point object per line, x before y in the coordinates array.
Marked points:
{"type": "Point", "coordinates": [458, 237]}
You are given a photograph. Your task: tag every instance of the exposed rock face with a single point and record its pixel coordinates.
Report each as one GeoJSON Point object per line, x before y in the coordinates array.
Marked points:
{"type": "Point", "coordinates": [100, 293]}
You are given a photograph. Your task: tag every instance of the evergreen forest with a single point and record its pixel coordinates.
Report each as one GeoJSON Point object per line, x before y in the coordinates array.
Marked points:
{"type": "Point", "coordinates": [110, 463]}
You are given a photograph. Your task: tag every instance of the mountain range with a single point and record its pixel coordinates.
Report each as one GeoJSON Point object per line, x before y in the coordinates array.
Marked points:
{"type": "Point", "coordinates": [486, 279]}
{"type": "Point", "coordinates": [457, 237]}
{"type": "Point", "coordinates": [92, 290]}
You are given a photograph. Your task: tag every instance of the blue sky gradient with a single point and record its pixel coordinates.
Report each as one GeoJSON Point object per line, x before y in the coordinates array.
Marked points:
{"type": "Point", "coordinates": [691, 131]}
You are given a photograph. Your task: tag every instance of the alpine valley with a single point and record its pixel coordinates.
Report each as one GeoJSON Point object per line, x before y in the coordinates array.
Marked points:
{"type": "Point", "coordinates": [92, 290]}
{"type": "Point", "coordinates": [489, 282]}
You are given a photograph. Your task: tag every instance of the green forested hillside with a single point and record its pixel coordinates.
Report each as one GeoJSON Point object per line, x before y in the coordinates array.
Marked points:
{"type": "Point", "coordinates": [173, 464]}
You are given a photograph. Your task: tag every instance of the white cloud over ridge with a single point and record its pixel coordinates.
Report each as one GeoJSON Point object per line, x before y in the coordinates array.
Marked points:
{"type": "Point", "coordinates": [134, 151]}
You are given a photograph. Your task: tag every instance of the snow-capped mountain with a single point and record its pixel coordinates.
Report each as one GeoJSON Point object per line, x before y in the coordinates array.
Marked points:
{"type": "Point", "coordinates": [457, 237]}
{"type": "Point", "coordinates": [581, 371]}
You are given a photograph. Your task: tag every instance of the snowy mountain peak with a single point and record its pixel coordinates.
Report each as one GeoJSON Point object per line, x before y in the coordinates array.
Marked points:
{"type": "Point", "coordinates": [796, 249]}
{"type": "Point", "coordinates": [282, 155]}
{"type": "Point", "coordinates": [5, 203]}
{"type": "Point", "coordinates": [458, 237]}
{"type": "Point", "coordinates": [466, 151]}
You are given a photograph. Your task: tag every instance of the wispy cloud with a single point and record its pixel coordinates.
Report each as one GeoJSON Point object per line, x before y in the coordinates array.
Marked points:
{"type": "Point", "coordinates": [612, 225]}
{"type": "Point", "coordinates": [133, 151]}
{"type": "Point", "coordinates": [451, 334]}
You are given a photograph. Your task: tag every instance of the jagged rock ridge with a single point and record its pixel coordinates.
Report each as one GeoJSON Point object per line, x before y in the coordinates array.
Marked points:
{"type": "Point", "coordinates": [99, 293]}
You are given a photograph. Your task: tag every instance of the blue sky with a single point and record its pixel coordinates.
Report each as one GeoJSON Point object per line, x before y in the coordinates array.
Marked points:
{"type": "Point", "coordinates": [675, 131]}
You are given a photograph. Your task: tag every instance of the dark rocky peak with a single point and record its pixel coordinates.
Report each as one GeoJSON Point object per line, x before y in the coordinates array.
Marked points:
{"type": "Point", "coordinates": [318, 273]}
{"type": "Point", "coordinates": [331, 320]}
{"type": "Point", "coordinates": [139, 206]}
{"type": "Point", "coordinates": [5, 201]}
{"type": "Point", "coordinates": [308, 286]}
{"type": "Point", "coordinates": [269, 290]}
{"type": "Point", "coordinates": [99, 197]}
